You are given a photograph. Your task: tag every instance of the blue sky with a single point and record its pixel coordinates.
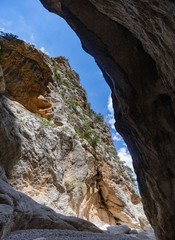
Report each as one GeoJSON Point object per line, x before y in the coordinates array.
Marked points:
{"type": "Point", "coordinates": [29, 20]}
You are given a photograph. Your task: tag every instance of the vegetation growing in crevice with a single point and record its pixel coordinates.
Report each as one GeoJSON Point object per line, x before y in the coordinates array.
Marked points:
{"type": "Point", "coordinates": [112, 151]}
{"type": "Point", "coordinates": [47, 122]}
{"type": "Point", "coordinates": [72, 102]}
{"type": "Point", "coordinates": [98, 117]}
{"type": "Point", "coordinates": [130, 173]}
{"type": "Point", "coordinates": [128, 170]}
{"type": "Point", "coordinates": [57, 75]}
{"type": "Point", "coordinates": [88, 133]}
{"type": "Point", "coordinates": [71, 184]}
{"type": "Point", "coordinates": [67, 84]}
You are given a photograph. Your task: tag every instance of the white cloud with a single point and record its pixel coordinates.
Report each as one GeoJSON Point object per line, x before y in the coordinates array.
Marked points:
{"type": "Point", "coordinates": [125, 157]}
{"type": "Point", "coordinates": [2, 29]}
{"type": "Point", "coordinates": [110, 106]}
{"type": "Point", "coordinates": [116, 137]}
{"type": "Point", "coordinates": [110, 116]}
{"type": "Point", "coordinates": [32, 38]}
{"type": "Point", "coordinates": [5, 24]}
{"type": "Point", "coordinates": [44, 51]}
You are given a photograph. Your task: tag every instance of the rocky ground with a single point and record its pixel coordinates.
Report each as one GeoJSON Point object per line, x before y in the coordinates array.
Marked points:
{"type": "Point", "coordinates": [72, 235]}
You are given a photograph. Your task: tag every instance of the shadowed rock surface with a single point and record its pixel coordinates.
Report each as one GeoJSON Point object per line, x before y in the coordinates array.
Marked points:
{"type": "Point", "coordinates": [133, 44]}
{"type": "Point", "coordinates": [10, 137]}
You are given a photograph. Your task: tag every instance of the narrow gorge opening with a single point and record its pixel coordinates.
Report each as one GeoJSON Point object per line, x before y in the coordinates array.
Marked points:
{"type": "Point", "coordinates": [67, 159]}
{"type": "Point", "coordinates": [105, 176]}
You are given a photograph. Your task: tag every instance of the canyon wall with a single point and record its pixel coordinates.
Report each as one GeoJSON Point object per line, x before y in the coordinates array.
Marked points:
{"type": "Point", "coordinates": [17, 210]}
{"type": "Point", "coordinates": [133, 44]}
{"type": "Point", "coordinates": [56, 149]}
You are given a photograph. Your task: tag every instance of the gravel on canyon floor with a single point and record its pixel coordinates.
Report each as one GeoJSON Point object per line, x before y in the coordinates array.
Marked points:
{"type": "Point", "coordinates": [36, 234]}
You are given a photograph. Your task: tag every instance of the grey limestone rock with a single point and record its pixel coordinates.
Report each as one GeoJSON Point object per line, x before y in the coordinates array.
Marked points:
{"type": "Point", "coordinates": [121, 229]}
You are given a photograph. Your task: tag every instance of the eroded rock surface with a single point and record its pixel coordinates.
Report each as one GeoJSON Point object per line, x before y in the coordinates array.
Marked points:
{"type": "Point", "coordinates": [34, 75]}
{"type": "Point", "coordinates": [67, 160]}
{"type": "Point", "coordinates": [133, 44]}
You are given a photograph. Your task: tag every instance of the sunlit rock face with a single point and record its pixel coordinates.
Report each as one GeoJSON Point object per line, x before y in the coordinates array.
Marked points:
{"type": "Point", "coordinates": [133, 44]}
{"type": "Point", "coordinates": [56, 149]}
{"type": "Point", "coordinates": [30, 73]}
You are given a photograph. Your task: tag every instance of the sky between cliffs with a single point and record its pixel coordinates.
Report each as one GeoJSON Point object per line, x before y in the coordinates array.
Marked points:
{"type": "Point", "coordinates": [29, 20]}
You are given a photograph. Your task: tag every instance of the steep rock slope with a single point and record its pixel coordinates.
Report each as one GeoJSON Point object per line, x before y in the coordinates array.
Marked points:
{"type": "Point", "coordinates": [67, 160]}
{"type": "Point", "coordinates": [133, 43]}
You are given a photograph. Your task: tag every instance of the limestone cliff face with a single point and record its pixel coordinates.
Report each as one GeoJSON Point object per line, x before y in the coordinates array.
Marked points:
{"type": "Point", "coordinates": [66, 159]}
{"type": "Point", "coordinates": [18, 212]}
{"type": "Point", "coordinates": [133, 43]}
